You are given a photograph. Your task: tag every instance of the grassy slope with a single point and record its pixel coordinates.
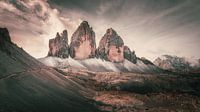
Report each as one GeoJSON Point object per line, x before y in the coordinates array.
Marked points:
{"type": "Point", "coordinates": [26, 85]}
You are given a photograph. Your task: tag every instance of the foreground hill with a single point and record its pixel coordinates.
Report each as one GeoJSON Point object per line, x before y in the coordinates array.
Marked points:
{"type": "Point", "coordinates": [26, 85]}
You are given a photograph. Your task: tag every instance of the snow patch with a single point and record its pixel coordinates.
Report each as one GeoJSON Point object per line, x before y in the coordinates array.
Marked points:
{"type": "Point", "coordinates": [99, 65]}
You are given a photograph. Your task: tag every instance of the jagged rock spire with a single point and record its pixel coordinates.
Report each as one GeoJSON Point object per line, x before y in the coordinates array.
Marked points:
{"type": "Point", "coordinates": [111, 46]}
{"type": "Point", "coordinates": [83, 43]}
{"type": "Point", "coordinates": [58, 46]}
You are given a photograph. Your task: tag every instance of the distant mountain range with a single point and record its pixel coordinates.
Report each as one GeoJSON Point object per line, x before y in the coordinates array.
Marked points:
{"type": "Point", "coordinates": [178, 64]}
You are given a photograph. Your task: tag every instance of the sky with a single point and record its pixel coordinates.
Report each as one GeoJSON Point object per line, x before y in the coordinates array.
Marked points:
{"type": "Point", "coordinates": [149, 27]}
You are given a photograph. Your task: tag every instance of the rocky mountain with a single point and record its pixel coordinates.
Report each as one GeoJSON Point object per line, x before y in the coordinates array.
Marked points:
{"type": "Point", "coordinates": [58, 46]}
{"type": "Point", "coordinates": [111, 47]}
{"type": "Point", "coordinates": [177, 64]}
{"type": "Point", "coordinates": [110, 56]}
{"type": "Point", "coordinates": [83, 44]}
{"type": "Point", "coordinates": [26, 85]}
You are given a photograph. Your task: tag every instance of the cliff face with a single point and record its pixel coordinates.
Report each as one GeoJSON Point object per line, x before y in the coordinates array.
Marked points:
{"type": "Point", "coordinates": [83, 43]}
{"type": "Point", "coordinates": [58, 46]}
{"type": "Point", "coordinates": [111, 47]}
{"type": "Point", "coordinates": [4, 40]}
{"type": "Point", "coordinates": [130, 55]}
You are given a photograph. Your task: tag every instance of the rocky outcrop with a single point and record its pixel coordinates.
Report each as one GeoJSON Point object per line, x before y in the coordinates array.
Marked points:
{"type": "Point", "coordinates": [130, 55]}
{"type": "Point", "coordinates": [83, 44]}
{"type": "Point", "coordinates": [58, 46]}
{"type": "Point", "coordinates": [111, 47]}
{"type": "Point", "coordinates": [4, 35]}
{"type": "Point", "coordinates": [4, 39]}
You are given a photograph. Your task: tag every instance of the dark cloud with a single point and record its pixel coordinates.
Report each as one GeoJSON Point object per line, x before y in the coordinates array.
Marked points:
{"type": "Point", "coordinates": [119, 6]}
{"type": "Point", "coordinates": [86, 5]}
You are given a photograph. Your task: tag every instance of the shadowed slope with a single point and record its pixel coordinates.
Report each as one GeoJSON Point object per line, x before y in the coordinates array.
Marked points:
{"type": "Point", "coordinates": [26, 85]}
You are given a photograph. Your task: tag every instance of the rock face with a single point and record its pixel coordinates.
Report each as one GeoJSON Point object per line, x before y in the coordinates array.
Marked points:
{"type": "Point", "coordinates": [58, 46]}
{"type": "Point", "coordinates": [111, 47]}
{"type": "Point", "coordinates": [4, 39]}
{"type": "Point", "coordinates": [130, 55]}
{"type": "Point", "coordinates": [4, 35]}
{"type": "Point", "coordinates": [83, 44]}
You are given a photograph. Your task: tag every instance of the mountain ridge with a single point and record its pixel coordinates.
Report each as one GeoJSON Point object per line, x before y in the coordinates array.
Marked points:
{"type": "Point", "coordinates": [178, 64]}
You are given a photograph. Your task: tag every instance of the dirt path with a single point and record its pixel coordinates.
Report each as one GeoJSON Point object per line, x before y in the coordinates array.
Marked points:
{"type": "Point", "coordinates": [24, 71]}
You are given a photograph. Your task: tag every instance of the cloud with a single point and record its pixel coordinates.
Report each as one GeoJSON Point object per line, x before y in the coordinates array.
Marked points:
{"type": "Point", "coordinates": [31, 24]}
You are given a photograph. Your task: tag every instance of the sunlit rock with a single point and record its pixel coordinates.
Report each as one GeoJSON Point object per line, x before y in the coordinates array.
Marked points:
{"type": "Point", "coordinates": [111, 47]}
{"type": "Point", "coordinates": [83, 43]}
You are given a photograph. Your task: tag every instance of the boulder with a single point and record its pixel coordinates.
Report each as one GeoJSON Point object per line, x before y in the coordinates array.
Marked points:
{"type": "Point", "coordinates": [111, 47]}
{"type": "Point", "coordinates": [58, 46]}
{"type": "Point", "coordinates": [83, 44]}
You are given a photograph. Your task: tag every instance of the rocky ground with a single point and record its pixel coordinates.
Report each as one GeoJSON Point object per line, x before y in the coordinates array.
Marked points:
{"type": "Point", "coordinates": [131, 92]}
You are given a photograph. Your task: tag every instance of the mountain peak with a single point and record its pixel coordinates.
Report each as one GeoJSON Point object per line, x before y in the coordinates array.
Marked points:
{"type": "Point", "coordinates": [85, 22]}
{"type": "Point", "coordinates": [84, 25]}
{"type": "Point", "coordinates": [111, 46]}
{"type": "Point", "coordinates": [111, 31]}
{"type": "Point", "coordinates": [83, 44]}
